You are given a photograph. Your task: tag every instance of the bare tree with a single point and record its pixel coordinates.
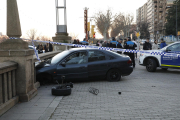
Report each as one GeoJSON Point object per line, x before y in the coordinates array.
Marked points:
{"type": "Point", "coordinates": [31, 34]}
{"type": "Point", "coordinates": [127, 20]}
{"type": "Point", "coordinates": [117, 25]}
{"type": "Point", "coordinates": [103, 22]}
{"type": "Point", "coordinates": [73, 35]}
{"type": "Point", "coordinates": [143, 28]}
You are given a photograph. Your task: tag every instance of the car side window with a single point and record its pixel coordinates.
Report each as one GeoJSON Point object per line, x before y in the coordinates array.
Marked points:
{"type": "Point", "coordinates": [95, 55]}
{"type": "Point", "coordinates": [175, 47]}
{"type": "Point", "coordinates": [77, 58]}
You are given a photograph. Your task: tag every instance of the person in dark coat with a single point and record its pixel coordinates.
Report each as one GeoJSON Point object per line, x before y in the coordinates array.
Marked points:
{"type": "Point", "coordinates": [163, 43]}
{"type": "Point", "coordinates": [130, 45]}
{"type": "Point", "coordinates": [40, 48]}
{"type": "Point", "coordinates": [147, 45]}
{"type": "Point", "coordinates": [119, 45]}
{"type": "Point", "coordinates": [97, 44]}
{"type": "Point", "coordinates": [125, 40]}
{"type": "Point", "coordinates": [108, 44]}
{"type": "Point", "coordinates": [50, 47]}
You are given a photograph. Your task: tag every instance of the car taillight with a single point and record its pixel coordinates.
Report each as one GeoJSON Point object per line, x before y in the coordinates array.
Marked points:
{"type": "Point", "coordinates": [129, 61]}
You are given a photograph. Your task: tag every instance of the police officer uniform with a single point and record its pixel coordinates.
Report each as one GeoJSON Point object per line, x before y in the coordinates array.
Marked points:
{"type": "Point", "coordinates": [113, 43]}
{"type": "Point", "coordinates": [130, 45]}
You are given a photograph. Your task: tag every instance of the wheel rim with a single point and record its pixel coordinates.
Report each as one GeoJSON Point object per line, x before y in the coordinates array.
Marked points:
{"type": "Point", "coordinates": [114, 75]}
{"type": "Point", "coordinates": [149, 65]}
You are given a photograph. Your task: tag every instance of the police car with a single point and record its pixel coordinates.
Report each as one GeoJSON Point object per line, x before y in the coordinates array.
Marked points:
{"type": "Point", "coordinates": [170, 58]}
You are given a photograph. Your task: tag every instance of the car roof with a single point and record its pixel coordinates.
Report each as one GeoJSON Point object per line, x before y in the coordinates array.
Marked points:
{"type": "Point", "coordinates": [75, 49]}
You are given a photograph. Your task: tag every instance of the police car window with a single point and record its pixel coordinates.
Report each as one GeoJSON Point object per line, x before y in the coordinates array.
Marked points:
{"type": "Point", "coordinates": [175, 47]}
{"type": "Point", "coordinates": [77, 58]}
{"type": "Point", "coordinates": [95, 55]}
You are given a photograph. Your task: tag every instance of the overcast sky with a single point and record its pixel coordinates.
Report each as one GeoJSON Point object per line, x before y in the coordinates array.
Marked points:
{"type": "Point", "coordinates": [41, 15]}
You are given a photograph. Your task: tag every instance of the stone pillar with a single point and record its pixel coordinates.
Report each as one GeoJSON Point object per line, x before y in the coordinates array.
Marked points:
{"type": "Point", "coordinates": [62, 38]}
{"type": "Point", "coordinates": [17, 50]}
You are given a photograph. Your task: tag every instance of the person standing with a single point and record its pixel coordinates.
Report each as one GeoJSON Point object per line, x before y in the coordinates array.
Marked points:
{"type": "Point", "coordinates": [40, 48]}
{"type": "Point", "coordinates": [147, 45]}
{"type": "Point", "coordinates": [155, 45]}
{"type": "Point", "coordinates": [163, 43]}
{"type": "Point", "coordinates": [113, 43]}
{"type": "Point", "coordinates": [50, 47]}
{"type": "Point", "coordinates": [104, 44]}
{"type": "Point", "coordinates": [134, 41]}
{"type": "Point", "coordinates": [46, 47]}
{"type": "Point", "coordinates": [119, 45]}
{"type": "Point", "coordinates": [130, 45]}
{"type": "Point", "coordinates": [108, 44]}
{"type": "Point", "coordinates": [125, 40]}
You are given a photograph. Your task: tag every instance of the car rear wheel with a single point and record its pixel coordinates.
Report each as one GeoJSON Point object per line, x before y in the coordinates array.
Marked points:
{"type": "Point", "coordinates": [44, 79]}
{"type": "Point", "coordinates": [151, 65]}
{"type": "Point", "coordinates": [113, 75]}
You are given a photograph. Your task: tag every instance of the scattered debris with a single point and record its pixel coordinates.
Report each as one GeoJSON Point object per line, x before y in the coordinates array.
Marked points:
{"type": "Point", "coordinates": [93, 90]}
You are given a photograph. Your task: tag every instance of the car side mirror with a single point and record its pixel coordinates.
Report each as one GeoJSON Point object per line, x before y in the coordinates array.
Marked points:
{"type": "Point", "coordinates": [63, 64]}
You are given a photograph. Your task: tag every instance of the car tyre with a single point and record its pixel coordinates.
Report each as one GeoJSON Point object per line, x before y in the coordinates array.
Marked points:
{"type": "Point", "coordinates": [113, 75]}
{"type": "Point", "coordinates": [151, 65]}
{"type": "Point", "coordinates": [58, 91]}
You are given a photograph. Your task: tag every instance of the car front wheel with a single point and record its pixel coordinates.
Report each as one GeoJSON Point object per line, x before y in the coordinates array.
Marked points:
{"type": "Point", "coordinates": [151, 65]}
{"type": "Point", "coordinates": [113, 75]}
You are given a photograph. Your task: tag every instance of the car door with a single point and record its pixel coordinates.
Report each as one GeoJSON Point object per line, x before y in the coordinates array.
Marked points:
{"type": "Point", "coordinates": [97, 64]}
{"type": "Point", "coordinates": [74, 66]}
{"type": "Point", "coordinates": [171, 59]}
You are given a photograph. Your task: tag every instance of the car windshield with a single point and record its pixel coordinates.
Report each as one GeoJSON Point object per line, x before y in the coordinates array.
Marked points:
{"type": "Point", "coordinates": [59, 57]}
{"type": "Point", "coordinates": [164, 48]}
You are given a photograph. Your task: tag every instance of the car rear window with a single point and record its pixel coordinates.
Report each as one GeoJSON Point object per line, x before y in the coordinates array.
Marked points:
{"type": "Point", "coordinates": [114, 54]}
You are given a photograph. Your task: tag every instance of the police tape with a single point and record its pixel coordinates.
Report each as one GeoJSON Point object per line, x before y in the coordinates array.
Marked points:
{"type": "Point", "coordinates": [102, 48]}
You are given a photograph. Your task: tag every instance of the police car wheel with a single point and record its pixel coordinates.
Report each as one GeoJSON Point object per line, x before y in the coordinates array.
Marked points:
{"type": "Point", "coordinates": [113, 75]}
{"type": "Point", "coordinates": [151, 65]}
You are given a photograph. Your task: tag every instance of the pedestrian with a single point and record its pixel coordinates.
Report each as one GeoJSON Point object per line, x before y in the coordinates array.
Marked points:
{"type": "Point", "coordinates": [46, 47]}
{"type": "Point", "coordinates": [97, 43]}
{"type": "Point", "coordinates": [134, 41]}
{"type": "Point", "coordinates": [119, 45]}
{"type": "Point", "coordinates": [108, 44]}
{"type": "Point", "coordinates": [104, 44]}
{"type": "Point", "coordinates": [113, 43]}
{"type": "Point", "coordinates": [147, 45]}
{"type": "Point", "coordinates": [40, 48]}
{"type": "Point", "coordinates": [100, 45]}
{"type": "Point", "coordinates": [163, 43]}
{"type": "Point", "coordinates": [130, 45]}
{"type": "Point", "coordinates": [125, 40]}
{"type": "Point", "coordinates": [155, 45]}
{"type": "Point", "coordinates": [50, 47]}
{"type": "Point", "coordinates": [77, 41]}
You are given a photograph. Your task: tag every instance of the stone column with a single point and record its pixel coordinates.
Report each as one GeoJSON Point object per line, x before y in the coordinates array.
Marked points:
{"type": "Point", "coordinates": [17, 50]}
{"type": "Point", "coordinates": [62, 38]}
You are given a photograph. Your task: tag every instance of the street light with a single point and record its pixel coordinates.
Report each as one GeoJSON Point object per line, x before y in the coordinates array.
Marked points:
{"type": "Point", "coordinates": [61, 27]}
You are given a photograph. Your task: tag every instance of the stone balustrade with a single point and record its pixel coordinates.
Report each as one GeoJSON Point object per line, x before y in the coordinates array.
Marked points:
{"type": "Point", "coordinates": [8, 96]}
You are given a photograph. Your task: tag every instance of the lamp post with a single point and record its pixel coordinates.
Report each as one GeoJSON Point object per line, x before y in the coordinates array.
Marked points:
{"type": "Point", "coordinates": [61, 28]}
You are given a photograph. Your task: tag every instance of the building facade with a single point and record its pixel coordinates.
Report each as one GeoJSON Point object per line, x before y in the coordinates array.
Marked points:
{"type": "Point", "coordinates": [156, 16]}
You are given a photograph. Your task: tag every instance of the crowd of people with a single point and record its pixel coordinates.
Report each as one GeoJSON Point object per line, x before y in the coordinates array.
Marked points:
{"type": "Point", "coordinates": [46, 48]}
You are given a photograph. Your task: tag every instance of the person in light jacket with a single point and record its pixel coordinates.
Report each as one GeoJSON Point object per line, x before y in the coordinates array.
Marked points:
{"type": "Point", "coordinates": [155, 45]}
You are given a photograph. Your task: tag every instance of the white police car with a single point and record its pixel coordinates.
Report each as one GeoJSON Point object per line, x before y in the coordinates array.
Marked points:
{"type": "Point", "coordinates": [170, 58]}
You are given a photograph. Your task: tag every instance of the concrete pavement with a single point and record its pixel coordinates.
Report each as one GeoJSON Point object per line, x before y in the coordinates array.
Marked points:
{"type": "Point", "coordinates": [144, 96]}
{"type": "Point", "coordinates": [39, 108]}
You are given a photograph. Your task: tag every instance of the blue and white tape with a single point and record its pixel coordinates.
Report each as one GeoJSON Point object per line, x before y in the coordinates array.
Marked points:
{"type": "Point", "coordinates": [101, 48]}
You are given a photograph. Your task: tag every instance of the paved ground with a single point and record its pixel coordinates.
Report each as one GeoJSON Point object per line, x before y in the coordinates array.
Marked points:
{"type": "Point", "coordinates": [145, 96]}
{"type": "Point", "coordinates": [39, 108]}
